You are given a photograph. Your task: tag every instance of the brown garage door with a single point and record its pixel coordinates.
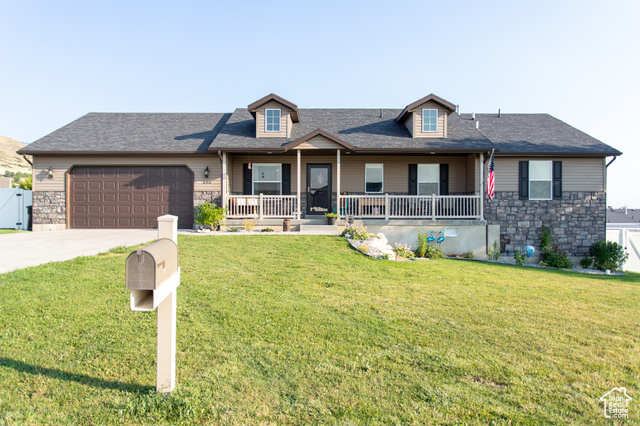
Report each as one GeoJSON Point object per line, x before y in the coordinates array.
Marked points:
{"type": "Point", "coordinates": [130, 196]}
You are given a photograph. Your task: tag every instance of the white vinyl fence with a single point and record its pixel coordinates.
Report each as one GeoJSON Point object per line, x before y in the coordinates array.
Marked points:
{"type": "Point", "coordinates": [13, 208]}
{"type": "Point", "coordinates": [629, 238]}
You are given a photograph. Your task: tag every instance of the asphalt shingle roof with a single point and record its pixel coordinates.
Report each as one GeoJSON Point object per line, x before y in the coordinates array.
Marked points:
{"type": "Point", "coordinates": [365, 129]}
{"type": "Point", "coordinates": [133, 132]}
{"type": "Point", "coordinates": [537, 133]}
{"type": "Point", "coordinates": [362, 128]}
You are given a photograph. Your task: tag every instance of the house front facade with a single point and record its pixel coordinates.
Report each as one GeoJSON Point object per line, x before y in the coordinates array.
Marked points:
{"type": "Point", "coordinates": [398, 170]}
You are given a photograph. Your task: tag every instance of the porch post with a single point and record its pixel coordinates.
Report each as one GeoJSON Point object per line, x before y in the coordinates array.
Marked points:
{"type": "Point", "coordinates": [298, 184]}
{"type": "Point", "coordinates": [338, 181]}
{"type": "Point", "coordinates": [224, 180]}
{"type": "Point", "coordinates": [481, 185]}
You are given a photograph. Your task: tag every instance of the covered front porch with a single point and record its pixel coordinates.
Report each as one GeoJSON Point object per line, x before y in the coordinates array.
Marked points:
{"type": "Point", "coordinates": [323, 175]}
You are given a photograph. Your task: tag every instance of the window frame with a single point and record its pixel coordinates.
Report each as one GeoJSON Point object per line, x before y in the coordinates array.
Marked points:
{"type": "Point", "coordinates": [550, 180]}
{"type": "Point", "coordinates": [266, 121]}
{"type": "Point", "coordinates": [418, 181]}
{"type": "Point", "coordinates": [253, 177]}
{"type": "Point", "coordinates": [423, 120]}
{"type": "Point", "coordinates": [366, 167]}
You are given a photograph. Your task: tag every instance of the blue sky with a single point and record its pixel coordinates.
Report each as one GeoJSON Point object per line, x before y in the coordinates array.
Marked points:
{"type": "Point", "coordinates": [577, 60]}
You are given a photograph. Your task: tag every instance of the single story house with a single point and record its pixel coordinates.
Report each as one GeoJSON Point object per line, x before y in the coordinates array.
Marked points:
{"type": "Point", "coordinates": [420, 167]}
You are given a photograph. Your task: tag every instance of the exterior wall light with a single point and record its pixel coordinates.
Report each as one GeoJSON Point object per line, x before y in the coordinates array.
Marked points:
{"type": "Point", "coordinates": [50, 173]}
{"type": "Point", "coordinates": [206, 173]}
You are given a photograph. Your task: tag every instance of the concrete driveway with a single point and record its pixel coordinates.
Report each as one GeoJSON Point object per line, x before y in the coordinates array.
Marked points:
{"type": "Point", "coordinates": [24, 249]}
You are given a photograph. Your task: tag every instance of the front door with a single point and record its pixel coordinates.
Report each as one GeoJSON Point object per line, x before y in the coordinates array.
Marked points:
{"type": "Point", "coordinates": [318, 188]}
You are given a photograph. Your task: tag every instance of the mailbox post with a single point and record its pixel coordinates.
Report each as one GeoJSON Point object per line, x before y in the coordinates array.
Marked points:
{"type": "Point", "coordinates": [153, 275]}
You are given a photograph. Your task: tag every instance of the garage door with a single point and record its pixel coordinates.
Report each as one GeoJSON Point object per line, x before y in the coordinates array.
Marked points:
{"type": "Point", "coordinates": [130, 196]}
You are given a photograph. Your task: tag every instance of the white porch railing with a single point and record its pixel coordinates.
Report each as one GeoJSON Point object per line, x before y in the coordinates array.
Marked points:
{"type": "Point", "coordinates": [261, 206]}
{"type": "Point", "coordinates": [411, 206]}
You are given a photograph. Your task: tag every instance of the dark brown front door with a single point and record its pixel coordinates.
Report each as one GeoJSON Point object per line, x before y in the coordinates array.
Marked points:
{"type": "Point", "coordinates": [318, 188]}
{"type": "Point", "coordinates": [129, 196]}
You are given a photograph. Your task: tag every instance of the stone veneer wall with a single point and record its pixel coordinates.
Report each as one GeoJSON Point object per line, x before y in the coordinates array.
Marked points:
{"type": "Point", "coordinates": [49, 208]}
{"type": "Point", "coordinates": [576, 221]}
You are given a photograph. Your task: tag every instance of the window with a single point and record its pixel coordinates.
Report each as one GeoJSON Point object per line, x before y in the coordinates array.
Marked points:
{"type": "Point", "coordinates": [267, 179]}
{"type": "Point", "coordinates": [428, 179]}
{"type": "Point", "coordinates": [540, 180]}
{"type": "Point", "coordinates": [373, 178]}
{"type": "Point", "coordinates": [429, 120]}
{"type": "Point", "coordinates": [272, 120]}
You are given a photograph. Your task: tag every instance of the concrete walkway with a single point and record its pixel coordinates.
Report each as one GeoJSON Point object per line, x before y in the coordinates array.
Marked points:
{"type": "Point", "coordinates": [24, 249]}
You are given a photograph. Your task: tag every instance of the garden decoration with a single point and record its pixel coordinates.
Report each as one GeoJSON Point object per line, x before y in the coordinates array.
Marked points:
{"type": "Point", "coordinates": [529, 251]}
{"type": "Point", "coordinates": [441, 239]}
{"type": "Point", "coordinates": [430, 238]}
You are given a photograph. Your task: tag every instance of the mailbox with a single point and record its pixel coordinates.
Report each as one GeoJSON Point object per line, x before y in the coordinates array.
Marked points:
{"type": "Point", "coordinates": [151, 273]}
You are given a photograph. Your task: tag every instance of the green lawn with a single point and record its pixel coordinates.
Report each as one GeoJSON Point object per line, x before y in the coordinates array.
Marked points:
{"type": "Point", "coordinates": [9, 231]}
{"type": "Point", "coordinates": [298, 330]}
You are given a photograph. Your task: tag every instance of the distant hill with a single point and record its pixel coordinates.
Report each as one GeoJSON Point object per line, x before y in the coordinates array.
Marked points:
{"type": "Point", "coordinates": [9, 160]}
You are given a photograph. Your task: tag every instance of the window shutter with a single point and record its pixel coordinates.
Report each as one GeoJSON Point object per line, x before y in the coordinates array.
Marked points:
{"type": "Point", "coordinates": [247, 180]}
{"type": "Point", "coordinates": [444, 179]}
{"type": "Point", "coordinates": [557, 180]}
{"type": "Point", "coordinates": [413, 179]}
{"type": "Point", "coordinates": [524, 180]}
{"type": "Point", "coordinates": [286, 179]}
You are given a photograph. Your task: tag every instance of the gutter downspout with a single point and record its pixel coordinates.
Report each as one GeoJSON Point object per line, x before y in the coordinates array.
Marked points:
{"type": "Point", "coordinates": [30, 163]}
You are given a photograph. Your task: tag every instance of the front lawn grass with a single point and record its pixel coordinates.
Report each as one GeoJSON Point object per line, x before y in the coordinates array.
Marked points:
{"type": "Point", "coordinates": [298, 330]}
{"type": "Point", "coordinates": [10, 231]}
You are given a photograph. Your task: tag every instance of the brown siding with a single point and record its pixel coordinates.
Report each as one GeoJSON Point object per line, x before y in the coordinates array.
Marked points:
{"type": "Point", "coordinates": [62, 164]}
{"type": "Point", "coordinates": [578, 174]}
{"type": "Point", "coordinates": [396, 169]}
{"type": "Point", "coordinates": [319, 142]}
{"type": "Point", "coordinates": [285, 119]}
{"type": "Point", "coordinates": [417, 120]}
{"type": "Point", "coordinates": [409, 124]}
{"type": "Point", "coordinates": [471, 173]}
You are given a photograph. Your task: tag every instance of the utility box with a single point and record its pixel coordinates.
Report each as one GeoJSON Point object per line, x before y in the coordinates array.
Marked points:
{"type": "Point", "coordinates": [149, 267]}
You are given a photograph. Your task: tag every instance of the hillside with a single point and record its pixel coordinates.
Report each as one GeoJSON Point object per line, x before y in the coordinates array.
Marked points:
{"type": "Point", "coordinates": [9, 160]}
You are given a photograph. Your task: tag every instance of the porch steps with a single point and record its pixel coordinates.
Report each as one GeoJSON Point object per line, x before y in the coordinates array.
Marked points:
{"type": "Point", "coordinates": [319, 230]}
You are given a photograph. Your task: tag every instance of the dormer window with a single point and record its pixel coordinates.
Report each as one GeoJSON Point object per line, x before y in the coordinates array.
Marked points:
{"type": "Point", "coordinates": [272, 120]}
{"type": "Point", "coordinates": [429, 120]}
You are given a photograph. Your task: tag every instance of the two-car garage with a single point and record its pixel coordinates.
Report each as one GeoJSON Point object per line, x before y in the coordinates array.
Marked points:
{"type": "Point", "coordinates": [129, 196]}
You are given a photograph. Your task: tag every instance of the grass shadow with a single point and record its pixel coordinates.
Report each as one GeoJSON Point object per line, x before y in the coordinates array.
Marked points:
{"type": "Point", "coordinates": [73, 377]}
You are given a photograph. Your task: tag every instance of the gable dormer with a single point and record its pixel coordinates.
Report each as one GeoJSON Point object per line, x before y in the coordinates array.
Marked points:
{"type": "Point", "coordinates": [274, 116]}
{"type": "Point", "coordinates": [427, 117]}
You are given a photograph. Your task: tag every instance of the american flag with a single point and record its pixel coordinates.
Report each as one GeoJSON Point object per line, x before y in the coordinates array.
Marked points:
{"type": "Point", "coordinates": [491, 179]}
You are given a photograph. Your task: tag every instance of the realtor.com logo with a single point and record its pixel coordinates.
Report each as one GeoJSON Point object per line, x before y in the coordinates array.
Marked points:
{"type": "Point", "coordinates": [616, 403]}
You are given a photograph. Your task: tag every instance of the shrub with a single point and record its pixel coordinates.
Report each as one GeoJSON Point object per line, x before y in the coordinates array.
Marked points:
{"type": "Point", "coordinates": [585, 262]}
{"type": "Point", "coordinates": [550, 253]}
{"type": "Point", "coordinates": [495, 253]}
{"type": "Point", "coordinates": [363, 248]}
{"type": "Point", "coordinates": [232, 230]}
{"type": "Point", "coordinates": [210, 215]}
{"type": "Point", "coordinates": [520, 258]}
{"type": "Point", "coordinates": [434, 252]}
{"type": "Point", "coordinates": [267, 230]}
{"type": "Point", "coordinates": [356, 232]}
{"type": "Point", "coordinates": [26, 184]}
{"type": "Point", "coordinates": [421, 250]}
{"type": "Point", "coordinates": [468, 255]}
{"type": "Point", "coordinates": [248, 225]}
{"type": "Point", "coordinates": [403, 251]}
{"type": "Point", "coordinates": [608, 255]}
